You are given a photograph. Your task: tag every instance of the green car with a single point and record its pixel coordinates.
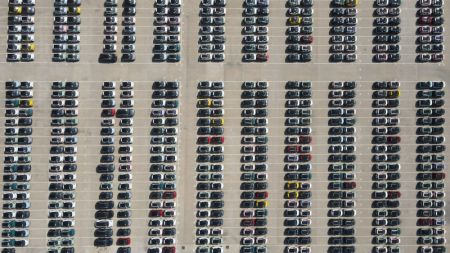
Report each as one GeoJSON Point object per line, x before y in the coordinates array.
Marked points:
{"type": "Point", "coordinates": [68, 232]}
{"type": "Point", "coordinates": [71, 122]}
{"type": "Point", "coordinates": [8, 233]}
{"type": "Point", "coordinates": [173, 48]}
{"type": "Point", "coordinates": [11, 187]}
{"type": "Point", "coordinates": [26, 112]}
{"type": "Point", "coordinates": [11, 103]}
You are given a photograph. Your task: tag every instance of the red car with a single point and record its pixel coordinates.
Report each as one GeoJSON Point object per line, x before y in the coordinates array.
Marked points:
{"type": "Point", "coordinates": [394, 194]}
{"type": "Point", "coordinates": [348, 185]}
{"type": "Point", "coordinates": [393, 139]}
{"type": "Point", "coordinates": [290, 149]}
{"type": "Point", "coordinates": [168, 249]}
{"type": "Point", "coordinates": [307, 39]}
{"type": "Point", "coordinates": [261, 195]}
{"type": "Point", "coordinates": [123, 241]}
{"type": "Point", "coordinates": [425, 20]}
{"type": "Point", "coordinates": [217, 140]}
{"type": "Point", "coordinates": [438, 176]}
{"type": "Point", "coordinates": [262, 57]}
{"type": "Point", "coordinates": [437, 57]}
{"type": "Point", "coordinates": [305, 139]}
{"type": "Point", "coordinates": [155, 213]}
{"type": "Point", "coordinates": [424, 222]}
{"type": "Point", "coordinates": [108, 112]}
{"type": "Point", "coordinates": [247, 222]}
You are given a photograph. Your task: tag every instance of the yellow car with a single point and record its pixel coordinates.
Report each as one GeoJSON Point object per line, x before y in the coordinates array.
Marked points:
{"type": "Point", "coordinates": [28, 47]}
{"type": "Point", "coordinates": [351, 3]}
{"type": "Point", "coordinates": [26, 103]}
{"type": "Point", "coordinates": [204, 103]}
{"type": "Point", "coordinates": [74, 10]}
{"type": "Point", "coordinates": [296, 20]}
{"type": "Point", "coordinates": [261, 203]}
{"type": "Point", "coordinates": [393, 94]}
{"type": "Point", "coordinates": [217, 122]}
{"type": "Point", "coordinates": [291, 195]}
{"type": "Point", "coordinates": [292, 185]}
{"type": "Point", "coordinates": [15, 10]}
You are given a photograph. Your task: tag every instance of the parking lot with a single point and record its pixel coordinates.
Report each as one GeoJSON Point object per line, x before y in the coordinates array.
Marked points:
{"type": "Point", "coordinates": [232, 73]}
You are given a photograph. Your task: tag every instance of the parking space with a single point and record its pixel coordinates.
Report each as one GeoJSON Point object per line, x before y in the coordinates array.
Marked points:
{"type": "Point", "coordinates": [167, 31]}
{"type": "Point", "coordinates": [163, 166]}
{"type": "Point", "coordinates": [66, 30]}
{"type": "Point", "coordinates": [210, 169]}
{"type": "Point", "coordinates": [226, 156]}
{"type": "Point", "coordinates": [17, 163]}
{"type": "Point", "coordinates": [430, 164]}
{"type": "Point", "coordinates": [212, 31]}
{"type": "Point", "coordinates": [292, 196]}
{"type": "Point", "coordinates": [430, 31]}
{"type": "Point", "coordinates": [319, 31]}
{"type": "Point", "coordinates": [386, 167]}
{"type": "Point", "coordinates": [21, 31]}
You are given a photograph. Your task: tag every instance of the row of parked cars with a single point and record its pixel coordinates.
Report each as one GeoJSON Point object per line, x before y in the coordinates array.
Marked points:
{"type": "Point", "coordinates": [299, 30]}
{"type": "Point", "coordinates": [342, 167]}
{"type": "Point", "coordinates": [430, 158]}
{"type": "Point", "coordinates": [210, 167]}
{"type": "Point", "coordinates": [385, 167]}
{"type": "Point", "coordinates": [430, 30]}
{"type": "Point", "coordinates": [66, 30]}
{"type": "Point", "coordinates": [164, 116]}
{"type": "Point", "coordinates": [106, 168]}
{"type": "Point", "coordinates": [212, 31]}
{"type": "Point", "coordinates": [254, 166]}
{"type": "Point", "coordinates": [17, 168]}
{"type": "Point", "coordinates": [297, 167]}
{"type": "Point", "coordinates": [167, 31]}
{"type": "Point", "coordinates": [343, 30]}
{"type": "Point", "coordinates": [63, 167]}
{"type": "Point", "coordinates": [111, 22]}
{"type": "Point", "coordinates": [20, 30]}
{"type": "Point", "coordinates": [255, 30]}
{"type": "Point", "coordinates": [386, 31]}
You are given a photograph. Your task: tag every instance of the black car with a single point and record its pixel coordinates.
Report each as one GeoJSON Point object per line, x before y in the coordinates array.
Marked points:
{"type": "Point", "coordinates": [125, 113]}
{"type": "Point", "coordinates": [101, 205]}
{"type": "Point", "coordinates": [123, 232]}
{"type": "Point", "coordinates": [129, 57]}
{"type": "Point", "coordinates": [124, 250]}
{"type": "Point", "coordinates": [124, 223]}
{"type": "Point", "coordinates": [107, 58]}
{"type": "Point", "coordinates": [72, 85]}
{"type": "Point", "coordinates": [123, 214]}
{"type": "Point", "coordinates": [104, 214]}
{"type": "Point", "coordinates": [107, 150]}
{"type": "Point", "coordinates": [129, 11]}
{"type": "Point", "coordinates": [103, 242]}
{"type": "Point", "coordinates": [105, 168]}
{"type": "Point", "coordinates": [23, 214]}
{"type": "Point", "coordinates": [129, 3]}
{"type": "Point", "coordinates": [107, 158]}
{"type": "Point", "coordinates": [341, 249]}
{"type": "Point", "coordinates": [103, 232]}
